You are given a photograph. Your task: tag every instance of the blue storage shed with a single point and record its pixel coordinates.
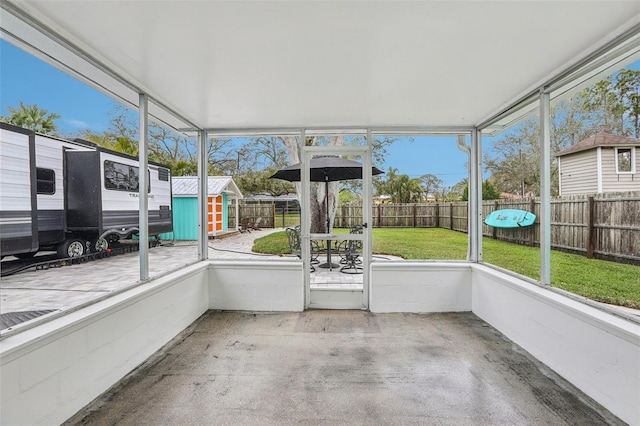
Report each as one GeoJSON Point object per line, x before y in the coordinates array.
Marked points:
{"type": "Point", "coordinates": [223, 194]}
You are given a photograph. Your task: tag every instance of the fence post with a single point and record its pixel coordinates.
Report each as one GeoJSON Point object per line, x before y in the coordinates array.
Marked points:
{"type": "Point", "coordinates": [437, 215]}
{"type": "Point", "coordinates": [345, 212]}
{"type": "Point", "coordinates": [284, 213]}
{"type": "Point", "coordinates": [451, 216]}
{"type": "Point", "coordinates": [494, 230]}
{"type": "Point", "coordinates": [532, 228]}
{"type": "Point", "coordinates": [380, 215]}
{"type": "Point", "coordinates": [591, 234]}
{"type": "Point", "coordinates": [273, 215]}
{"type": "Point", "coordinates": [415, 214]}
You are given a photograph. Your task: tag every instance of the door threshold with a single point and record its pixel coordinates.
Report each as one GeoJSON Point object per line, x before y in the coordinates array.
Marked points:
{"type": "Point", "coordinates": [340, 287]}
{"type": "Point", "coordinates": [336, 298]}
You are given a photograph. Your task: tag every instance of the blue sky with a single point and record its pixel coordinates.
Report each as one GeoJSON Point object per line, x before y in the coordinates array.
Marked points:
{"type": "Point", "coordinates": [32, 81]}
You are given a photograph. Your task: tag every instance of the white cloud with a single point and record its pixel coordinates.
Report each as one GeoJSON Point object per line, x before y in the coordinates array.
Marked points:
{"type": "Point", "coordinates": [73, 125]}
{"type": "Point", "coordinates": [78, 124]}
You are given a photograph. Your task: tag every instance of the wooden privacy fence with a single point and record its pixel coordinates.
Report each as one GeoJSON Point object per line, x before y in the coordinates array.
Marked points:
{"type": "Point", "coordinates": [252, 212]}
{"type": "Point", "coordinates": [605, 225]}
{"type": "Point", "coordinates": [433, 215]}
{"type": "Point", "coordinates": [274, 215]}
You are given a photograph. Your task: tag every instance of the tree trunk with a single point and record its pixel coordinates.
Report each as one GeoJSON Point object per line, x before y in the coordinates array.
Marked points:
{"type": "Point", "coordinates": [318, 206]}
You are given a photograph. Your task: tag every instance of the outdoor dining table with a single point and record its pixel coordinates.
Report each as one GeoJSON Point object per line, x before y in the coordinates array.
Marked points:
{"type": "Point", "coordinates": [328, 238]}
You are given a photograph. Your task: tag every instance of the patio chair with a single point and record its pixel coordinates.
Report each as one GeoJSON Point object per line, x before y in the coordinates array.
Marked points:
{"type": "Point", "coordinates": [256, 225]}
{"type": "Point", "coordinates": [343, 246]}
{"type": "Point", "coordinates": [245, 225]}
{"type": "Point", "coordinates": [293, 235]}
{"type": "Point", "coordinates": [350, 251]}
{"type": "Point", "coordinates": [317, 248]}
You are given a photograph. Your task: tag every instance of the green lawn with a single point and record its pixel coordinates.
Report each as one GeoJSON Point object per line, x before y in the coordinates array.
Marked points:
{"type": "Point", "coordinates": [600, 280]}
{"type": "Point", "coordinates": [290, 219]}
{"type": "Point", "coordinates": [275, 243]}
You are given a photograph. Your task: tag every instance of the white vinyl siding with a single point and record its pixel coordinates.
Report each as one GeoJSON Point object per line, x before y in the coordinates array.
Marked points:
{"type": "Point", "coordinates": [612, 181]}
{"type": "Point", "coordinates": [579, 173]}
{"type": "Point", "coordinates": [15, 171]}
{"type": "Point", "coordinates": [49, 154]}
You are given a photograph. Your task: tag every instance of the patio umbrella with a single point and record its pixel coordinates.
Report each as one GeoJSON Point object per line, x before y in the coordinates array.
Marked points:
{"type": "Point", "coordinates": [326, 168]}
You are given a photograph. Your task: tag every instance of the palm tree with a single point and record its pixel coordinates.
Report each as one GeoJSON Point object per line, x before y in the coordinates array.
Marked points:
{"type": "Point", "coordinates": [126, 145]}
{"type": "Point", "coordinates": [407, 190]}
{"type": "Point", "coordinates": [401, 188]}
{"type": "Point", "coordinates": [33, 118]}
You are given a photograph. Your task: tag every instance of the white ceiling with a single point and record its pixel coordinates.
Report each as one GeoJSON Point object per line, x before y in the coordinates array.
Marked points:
{"type": "Point", "coordinates": [281, 64]}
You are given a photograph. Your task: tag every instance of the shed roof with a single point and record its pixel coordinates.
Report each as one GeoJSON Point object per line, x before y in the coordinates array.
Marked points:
{"type": "Point", "coordinates": [600, 139]}
{"type": "Point", "coordinates": [318, 64]}
{"type": "Point", "coordinates": [270, 198]}
{"type": "Point", "coordinates": [185, 186]}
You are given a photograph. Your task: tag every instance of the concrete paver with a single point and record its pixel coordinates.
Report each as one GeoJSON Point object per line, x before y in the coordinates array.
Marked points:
{"type": "Point", "coordinates": [71, 286]}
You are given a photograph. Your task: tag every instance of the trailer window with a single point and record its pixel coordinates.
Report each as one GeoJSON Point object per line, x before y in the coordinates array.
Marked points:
{"type": "Point", "coordinates": [45, 181]}
{"type": "Point", "coordinates": [122, 177]}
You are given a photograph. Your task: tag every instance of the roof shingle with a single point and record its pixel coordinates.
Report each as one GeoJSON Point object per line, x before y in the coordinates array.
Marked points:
{"type": "Point", "coordinates": [600, 139]}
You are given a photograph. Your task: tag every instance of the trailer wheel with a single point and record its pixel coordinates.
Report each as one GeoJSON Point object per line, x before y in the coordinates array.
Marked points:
{"type": "Point", "coordinates": [99, 245]}
{"type": "Point", "coordinates": [73, 247]}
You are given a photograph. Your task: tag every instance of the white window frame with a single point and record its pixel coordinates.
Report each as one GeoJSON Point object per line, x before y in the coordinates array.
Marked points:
{"type": "Point", "coordinates": [633, 160]}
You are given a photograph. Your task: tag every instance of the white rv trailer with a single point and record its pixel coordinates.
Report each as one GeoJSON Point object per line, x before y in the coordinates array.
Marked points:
{"type": "Point", "coordinates": [87, 196]}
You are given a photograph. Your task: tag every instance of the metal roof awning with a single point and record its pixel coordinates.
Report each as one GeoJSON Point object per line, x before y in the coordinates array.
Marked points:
{"type": "Point", "coordinates": [187, 186]}
{"type": "Point", "coordinates": [268, 198]}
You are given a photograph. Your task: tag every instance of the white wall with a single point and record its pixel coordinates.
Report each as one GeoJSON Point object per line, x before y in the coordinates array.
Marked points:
{"type": "Point", "coordinates": [256, 285]}
{"type": "Point", "coordinates": [596, 351]}
{"type": "Point", "coordinates": [420, 287]}
{"type": "Point", "coordinates": [395, 286]}
{"type": "Point", "coordinates": [51, 371]}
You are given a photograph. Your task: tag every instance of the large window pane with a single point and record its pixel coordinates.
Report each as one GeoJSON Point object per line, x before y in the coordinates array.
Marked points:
{"type": "Point", "coordinates": [420, 206]}
{"type": "Point", "coordinates": [511, 196]}
{"type": "Point", "coordinates": [595, 232]}
{"type": "Point", "coordinates": [85, 192]}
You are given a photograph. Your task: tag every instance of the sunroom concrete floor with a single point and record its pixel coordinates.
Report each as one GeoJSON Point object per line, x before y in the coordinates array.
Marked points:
{"type": "Point", "coordinates": [342, 367]}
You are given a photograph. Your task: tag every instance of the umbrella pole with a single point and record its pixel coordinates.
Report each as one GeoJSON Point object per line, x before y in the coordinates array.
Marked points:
{"type": "Point", "coordinates": [328, 264]}
{"type": "Point", "coordinates": [326, 197]}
